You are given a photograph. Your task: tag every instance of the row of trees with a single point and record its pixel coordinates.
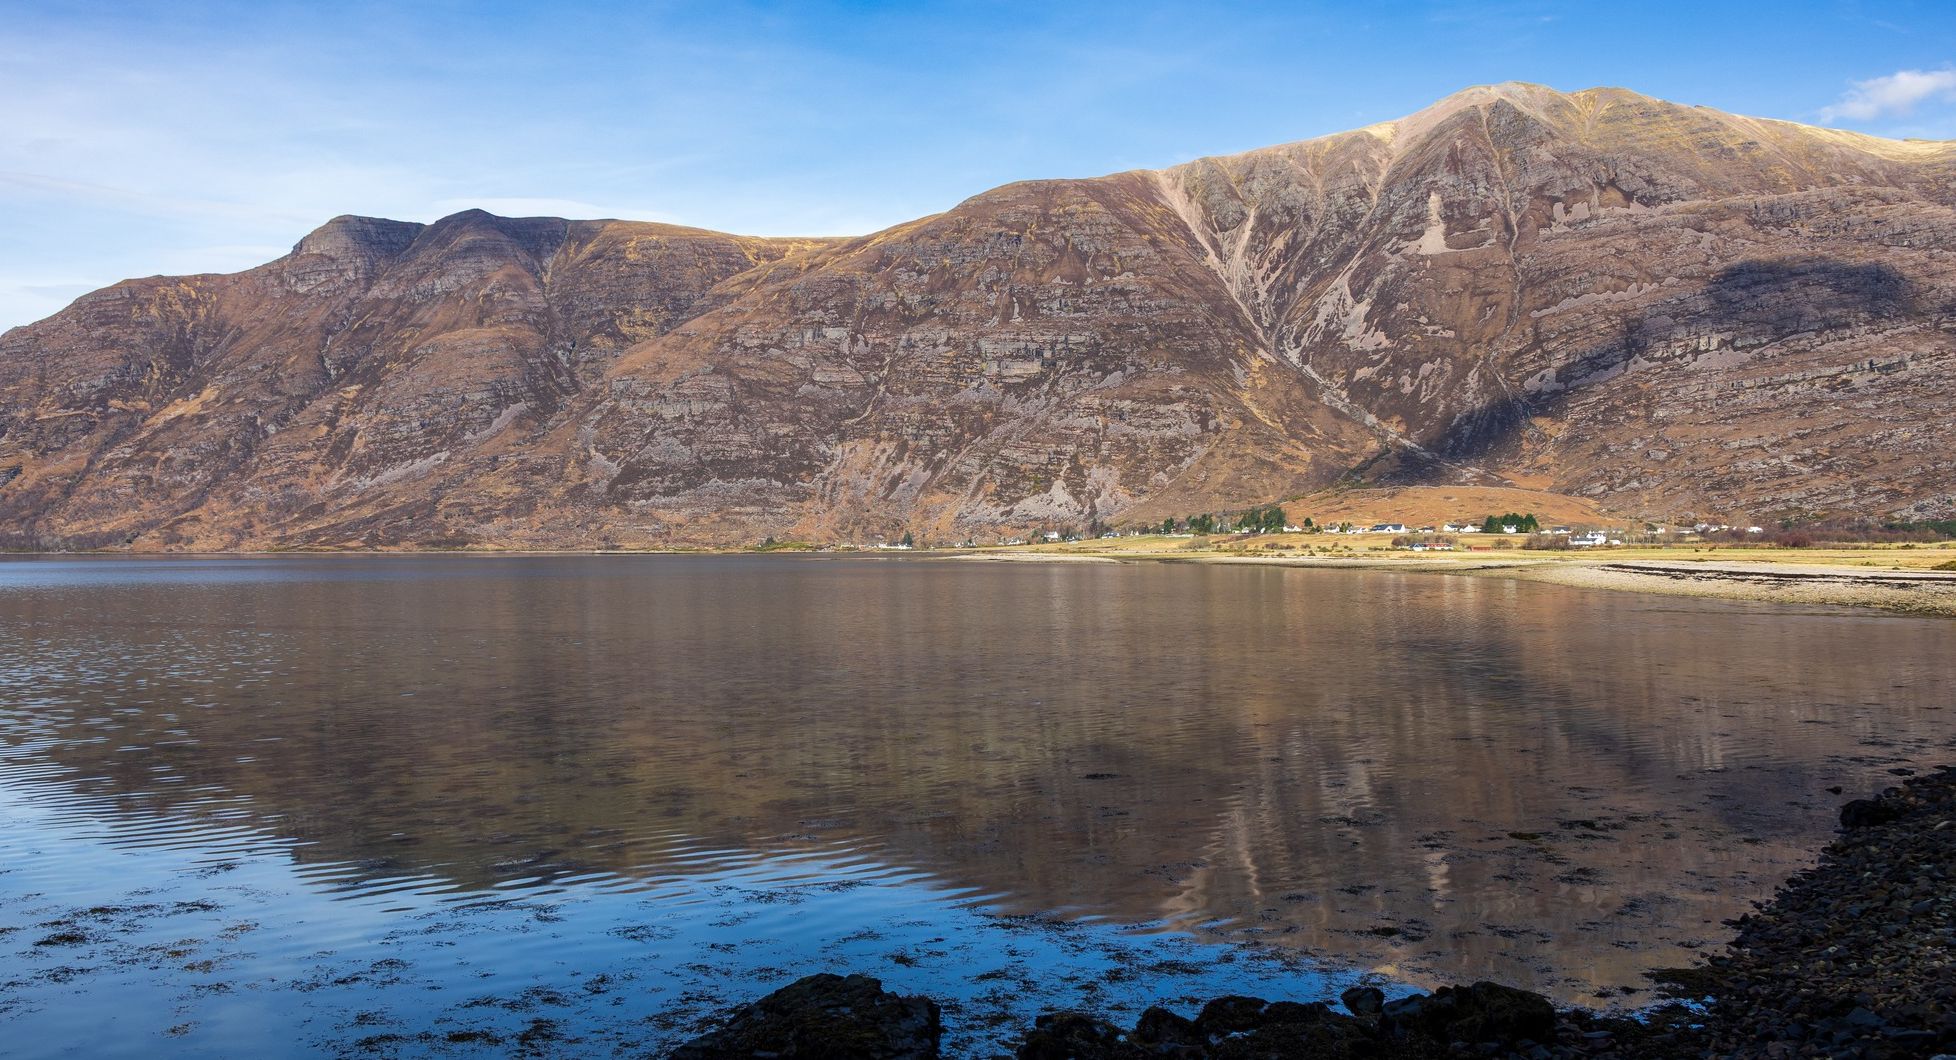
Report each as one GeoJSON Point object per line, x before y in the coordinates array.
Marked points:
{"type": "Point", "coordinates": [1263, 520]}
{"type": "Point", "coordinates": [1266, 520]}
{"type": "Point", "coordinates": [1522, 522]}
{"type": "Point", "coordinates": [1272, 519]}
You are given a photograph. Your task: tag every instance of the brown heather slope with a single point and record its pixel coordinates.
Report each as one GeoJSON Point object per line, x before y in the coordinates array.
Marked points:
{"type": "Point", "coordinates": [1659, 309]}
{"type": "Point", "coordinates": [249, 409]}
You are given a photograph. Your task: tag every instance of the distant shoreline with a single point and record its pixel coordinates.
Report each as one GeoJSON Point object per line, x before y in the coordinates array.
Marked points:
{"type": "Point", "coordinates": [1825, 584]}
{"type": "Point", "coordinates": [1822, 584]}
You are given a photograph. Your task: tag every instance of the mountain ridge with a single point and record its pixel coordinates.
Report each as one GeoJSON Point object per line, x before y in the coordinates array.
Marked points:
{"type": "Point", "coordinates": [1661, 308]}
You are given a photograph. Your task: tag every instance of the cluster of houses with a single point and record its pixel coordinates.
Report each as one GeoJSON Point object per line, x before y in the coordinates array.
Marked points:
{"type": "Point", "coordinates": [1576, 539]}
{"type": "Point", "coordinates": [1718, 528]}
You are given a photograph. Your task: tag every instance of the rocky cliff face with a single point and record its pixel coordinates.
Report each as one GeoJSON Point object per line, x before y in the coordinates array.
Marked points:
{"type": "Point", "coordinates": [255, 409]}
{"type": "Point", "coordinates": [1663, 308]}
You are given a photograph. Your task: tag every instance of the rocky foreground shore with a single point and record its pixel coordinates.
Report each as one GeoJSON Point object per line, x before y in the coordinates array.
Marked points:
{"type": "Point", "coordinates": [1855, 957]}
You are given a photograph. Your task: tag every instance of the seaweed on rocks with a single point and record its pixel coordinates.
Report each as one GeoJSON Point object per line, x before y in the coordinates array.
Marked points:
{"type": "Point", "coordinates": [1482, 1019]}
{"type": "Point", "coordinates": [826, 1017]}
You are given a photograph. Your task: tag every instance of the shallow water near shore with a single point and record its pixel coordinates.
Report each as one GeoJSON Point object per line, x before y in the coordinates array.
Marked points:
{"type": "Point", "coordinates": [454, 805]}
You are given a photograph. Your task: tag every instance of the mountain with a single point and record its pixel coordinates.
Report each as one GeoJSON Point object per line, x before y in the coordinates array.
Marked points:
{"type": "Point", "coordinates": [1662, 309]}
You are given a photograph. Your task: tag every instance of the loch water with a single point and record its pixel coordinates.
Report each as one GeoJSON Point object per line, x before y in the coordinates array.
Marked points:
{"type": "Point", "coordinates": [454, 805]}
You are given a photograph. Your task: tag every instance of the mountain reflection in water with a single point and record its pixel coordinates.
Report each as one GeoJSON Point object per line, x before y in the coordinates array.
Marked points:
{"type": "Point", "coordinates": [1448, 778]}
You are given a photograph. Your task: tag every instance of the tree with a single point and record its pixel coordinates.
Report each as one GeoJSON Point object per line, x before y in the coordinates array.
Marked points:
{"type": "Point", "coordinates": [1308, 524]}
{"type": "Point", "coordinates": [908, 541]}
{"type": "Point", "coordinates": [1523, 523]}
{"type": "Point", "coordinates": [1168, 525]}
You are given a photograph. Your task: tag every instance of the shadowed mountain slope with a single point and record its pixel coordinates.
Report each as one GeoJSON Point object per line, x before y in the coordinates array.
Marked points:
{"type": "Point", "coordinates": [1662, 308]}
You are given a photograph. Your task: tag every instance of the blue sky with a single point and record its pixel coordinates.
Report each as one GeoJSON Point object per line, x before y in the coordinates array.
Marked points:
{"type": "Point", "coordinates": [152, 138]}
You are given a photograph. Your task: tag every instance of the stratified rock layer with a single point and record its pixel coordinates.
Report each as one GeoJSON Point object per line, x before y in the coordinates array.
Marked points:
{"type": "Point", "coordinates": [1665, 309]}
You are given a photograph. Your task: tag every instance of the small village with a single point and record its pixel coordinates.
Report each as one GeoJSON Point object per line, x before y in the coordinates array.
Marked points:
{"type": "Point", "coordinates": [1510, 530]}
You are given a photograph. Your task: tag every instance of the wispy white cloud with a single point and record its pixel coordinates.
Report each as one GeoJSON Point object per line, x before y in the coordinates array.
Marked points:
{"type": "Point", "coordinates": [62, 291]}
{"type": "Point", "coordinates": [226, 257]}
{"type": "Point", "coordinates": [22, 299]}
{"type": "Point", "coordinates": [104, 196]}
{"type": "Point", "coordinates": [1894, 95]}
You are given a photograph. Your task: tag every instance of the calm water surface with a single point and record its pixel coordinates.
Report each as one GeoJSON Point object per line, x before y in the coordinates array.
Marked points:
{"type": "Point", "coordinates": [456, 805]}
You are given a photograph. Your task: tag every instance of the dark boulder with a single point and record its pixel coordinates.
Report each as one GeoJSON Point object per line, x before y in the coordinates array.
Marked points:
{"type": "Point", "coordinates": [1867, 813]}
{"type": "Point", "coordinates": [826, 1017]}
{"type": "Point", "coordinates": [1163, 1033]}
{"type": "Point", "coordinates": [1365, 1002]}
{"type": "Point", "coordinates": [1288, 1028]}
{"type": "Point", "coordinates": [1228, 1028]}
{"type": "Point", "coordinates": [1483, 1012]}
{"type": "Point", "coordinates": [1075, 1036]}
{"type": "Point", "coordinates": [1492, 1012]}
{"type": "Point", "coordinates": [1230, 1014]}
{"type": "Point", "coordinates": [1490, 1018]}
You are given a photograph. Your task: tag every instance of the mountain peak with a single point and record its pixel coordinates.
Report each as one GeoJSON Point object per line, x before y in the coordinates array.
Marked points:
{"type": "Point", "coordinates": [1538, 101]}
{"type": "Point", "coordinates": [1620, 121]}
{"type": "Point", "coordinates": [477, 217]}
{"type": "Point", "coordinates": [352, 237]}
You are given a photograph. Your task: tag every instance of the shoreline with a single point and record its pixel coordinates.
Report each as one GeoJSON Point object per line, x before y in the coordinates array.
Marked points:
{"type": "Point", "coordinates": [1920, 592]}
{"type": "Point", "coordinates": [1849, 958]}
{"type": "Point", "coordinates": [1926, 593]}
{"type": "Point", "coordinates": [1917, 591]}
